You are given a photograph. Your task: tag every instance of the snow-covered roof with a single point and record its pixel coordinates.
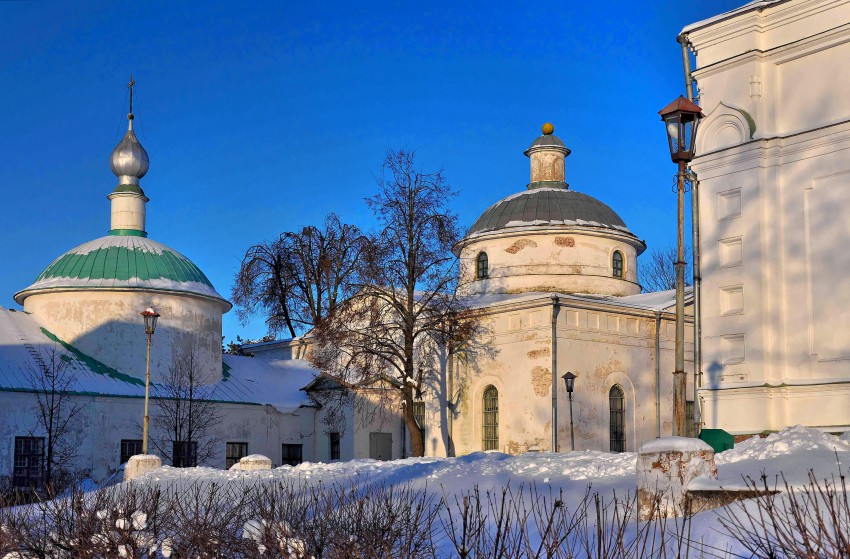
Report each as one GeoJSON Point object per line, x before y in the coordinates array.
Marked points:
{"type": "Point", "coordinates": [276, 382]}
{"type": "Point", "coordinates": [656, 301]}
{"type": "Point", "coordinates": [25, 344]}
{"type": "Point", "coordinates": [549, 207]}
{"type": "Point", "coordinates": [748, 7]}
{"type": "Point", "coordinates": [123, 262]}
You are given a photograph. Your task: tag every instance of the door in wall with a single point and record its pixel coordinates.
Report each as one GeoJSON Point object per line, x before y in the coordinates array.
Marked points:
{"type": "Point", "coordinates": [381, 446]}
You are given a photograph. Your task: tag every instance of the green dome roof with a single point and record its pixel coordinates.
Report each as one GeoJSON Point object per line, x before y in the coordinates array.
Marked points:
{"type": "Point", "coordinates": [123, 262]}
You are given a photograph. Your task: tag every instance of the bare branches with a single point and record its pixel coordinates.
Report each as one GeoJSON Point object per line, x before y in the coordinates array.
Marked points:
{"type": "Point", "coordinates": [57, 413]}
{"type": "Point", "coordinates": [298, 280]}
{"type": "Point", "coordinates": [657, 271]}
{"type": "Point", "coordinates": [808, 521]}
{"type": "Point", "coordinates": [406, 303]}
{"type": "Point", "coordinates": [185, 413]}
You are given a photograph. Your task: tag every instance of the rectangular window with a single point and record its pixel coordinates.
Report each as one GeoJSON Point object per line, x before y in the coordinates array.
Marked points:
{"type": "Point", "coordinates": [130, 447]}
{"type": "Point", "coordinates": [234, 452]}
{"type": "Point", "coordinates": [184, 454]}
{"type": "Point", "coordinates": [29, 461]}
{"type": "Point", "coordinates": [334, 441]}
{"type": "Point", "coordinates": [291, 454]}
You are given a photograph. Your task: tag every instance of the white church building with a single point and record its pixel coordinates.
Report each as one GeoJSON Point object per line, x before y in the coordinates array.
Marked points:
{"type": "Point", "coordinates": [774, 171]}
{"type": "Point", "coordinates": [554, 272]}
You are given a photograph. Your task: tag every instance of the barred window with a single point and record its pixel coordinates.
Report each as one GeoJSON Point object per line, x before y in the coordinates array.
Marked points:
{"type": "Point", "coordinates": [291, 454]}
{"type": "Point", "coordinates": [617, 264]}
{"type": "Point", "coordinates": [233, 453]}
{"type": "Point", "coordinates": [617, 405]}
{"type": "Point", "coordinates": [29, 462]}
{"type": "Point", "coordinates": [129, 447]}
{"type": "Point", "coordinates": [491, 418]}
{"type": "Point", "coordinates": [184, 454]}
{"type": "Point", "coordinates": [481, 266]}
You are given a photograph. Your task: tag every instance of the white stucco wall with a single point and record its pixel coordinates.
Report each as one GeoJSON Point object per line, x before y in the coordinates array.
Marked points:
{"type": "Point", "coordinates": [773, 203]}
{"type": "Point", "coordinates": [565, 260]}
{"type": "Point", "coordinates": [105, 420]}
{"type": "Point", "coordinates": [106, 325]}
{"type": "Point", "coordinates": [602, 345]}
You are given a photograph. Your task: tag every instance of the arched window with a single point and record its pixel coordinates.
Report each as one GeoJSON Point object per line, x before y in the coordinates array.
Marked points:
{"type": "Point", "coordinates": [491, 418]}
{"type": "Point", "coordinates": [617, 264]}
{"type": "Point", "coordinates": [617, 405]}
{"type": "Point", "coordinates": [481, 266]}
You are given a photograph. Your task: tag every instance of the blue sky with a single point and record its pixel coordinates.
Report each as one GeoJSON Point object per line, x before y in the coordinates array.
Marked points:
{"type": "Point", "coordinates": [263, 118]}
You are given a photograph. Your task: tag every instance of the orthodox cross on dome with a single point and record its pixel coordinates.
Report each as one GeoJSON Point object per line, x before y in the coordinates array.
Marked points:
{"type": "Point", "coordinates": [130, 87]}
{"type": "Point", "coordinates": [129, 162]}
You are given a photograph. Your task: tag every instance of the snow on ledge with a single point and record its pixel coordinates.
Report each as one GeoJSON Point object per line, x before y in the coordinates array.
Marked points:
{"type": "Point", "coordinates": [674, 444]}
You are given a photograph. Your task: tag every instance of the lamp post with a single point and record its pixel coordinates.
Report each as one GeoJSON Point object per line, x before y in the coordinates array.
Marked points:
{"type": "Point", "coordinates": [150, 317]}
{"type": "Point", "coordinates": [681, 119]}
{"type": "Point", "coordinates": [570, 380]}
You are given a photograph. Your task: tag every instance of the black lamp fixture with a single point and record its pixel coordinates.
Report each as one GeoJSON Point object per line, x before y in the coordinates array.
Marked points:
{"type": "Point", "coordinates": [570, 381]}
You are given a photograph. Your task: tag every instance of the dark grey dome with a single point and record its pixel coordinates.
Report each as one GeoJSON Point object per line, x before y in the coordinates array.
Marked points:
{"type": "Point", "coordinates": [550, 207]}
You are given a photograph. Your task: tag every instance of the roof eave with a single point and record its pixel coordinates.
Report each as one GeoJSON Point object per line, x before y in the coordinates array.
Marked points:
{"type": "Point", "coordinates": [22, 295]}
{"type": "Point", "coordinates": [633, 239]}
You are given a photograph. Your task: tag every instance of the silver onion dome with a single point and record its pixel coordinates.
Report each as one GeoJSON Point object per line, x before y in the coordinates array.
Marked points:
{"type": "Point", "coordinates": [129, 160]}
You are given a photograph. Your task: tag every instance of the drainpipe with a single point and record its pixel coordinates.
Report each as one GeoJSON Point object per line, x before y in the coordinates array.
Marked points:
{"type": "Point", "coordinates": [403, 434]}
{"type": "Point", "coordinates": [658, 373]}
{"type": "Point", "coordinates": [450, 406]}
{"type": "Point", "coordinates": [555, 309]}
{"type": "Point", "coordinates": [689, 90]}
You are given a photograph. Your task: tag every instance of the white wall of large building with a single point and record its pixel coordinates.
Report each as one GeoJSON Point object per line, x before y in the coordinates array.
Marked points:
{"type": "Point", "coordinates": [774, 177]}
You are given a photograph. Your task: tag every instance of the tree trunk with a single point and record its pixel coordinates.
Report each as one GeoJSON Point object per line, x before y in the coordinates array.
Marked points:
{"type": "Point", "coordinates": [417, 441]}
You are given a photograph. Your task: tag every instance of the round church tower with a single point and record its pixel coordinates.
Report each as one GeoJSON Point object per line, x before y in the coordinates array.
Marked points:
{"type": "Point", "coordinates": [91, 296]}
{"type": "Point", "coordinates": [549, 238]}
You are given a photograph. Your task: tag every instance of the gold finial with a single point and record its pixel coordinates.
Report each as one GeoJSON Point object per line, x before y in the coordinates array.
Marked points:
{"type": "Point", "coordinates": [130, 87]}
{"type": "Point", "coordinates": [548, 128]}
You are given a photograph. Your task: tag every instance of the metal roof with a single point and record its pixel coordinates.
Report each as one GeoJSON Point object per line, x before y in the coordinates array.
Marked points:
{"type": "Point", "coordinates": [547, 207]}
{"type": "Point", "coordinates": [27, 347]}
{"type": "Point", "coordinates": [120, 261]}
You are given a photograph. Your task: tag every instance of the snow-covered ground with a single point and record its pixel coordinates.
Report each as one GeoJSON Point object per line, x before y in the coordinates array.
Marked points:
{"type": "Point", "coordinates": [792, 452]}
{"type": "Point", "coordinates": [790, 455]}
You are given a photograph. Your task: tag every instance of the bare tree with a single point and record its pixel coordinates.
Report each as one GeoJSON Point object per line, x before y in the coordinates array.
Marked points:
{"type": "Point", "coordinates": [185, 413]}
{"type": "Point", "coordinates": [56, 412]}
{"type": "Point", "coordinates": [657, 271]}
{"type": "Point", "coordinates": [393, 325]}
{"type": "Point", "coordinates": [299, 280]}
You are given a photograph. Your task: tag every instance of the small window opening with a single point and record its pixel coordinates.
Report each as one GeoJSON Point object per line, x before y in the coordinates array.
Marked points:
{"type": "Point", "coordinates": [617, 406]}
{"type": "Point", "coordinates": [491, 418]}
{"type": "Point", "coordinates": [481, 266]}
{"type": "Point", "coordinates": [617, 264]}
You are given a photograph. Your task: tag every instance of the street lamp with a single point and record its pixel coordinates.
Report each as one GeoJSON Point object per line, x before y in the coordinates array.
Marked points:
{"type": "Point", "coordinates": [681, 120]}
{"type": "Point", "coordinates": [150, 317]}
{"type": "Point", "coordinates": [570, 381]}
